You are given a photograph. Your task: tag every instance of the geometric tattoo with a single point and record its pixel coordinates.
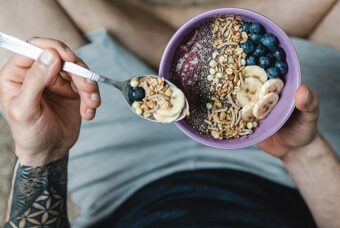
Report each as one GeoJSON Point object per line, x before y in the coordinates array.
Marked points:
{"type": "Point", "coordinates": [38, 196]}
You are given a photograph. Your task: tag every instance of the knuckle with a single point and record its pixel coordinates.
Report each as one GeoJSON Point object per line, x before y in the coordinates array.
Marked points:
{"type": "Point", "coordinates": [15, 114]}
{"type": "Point", "coordinates": [58, 45]}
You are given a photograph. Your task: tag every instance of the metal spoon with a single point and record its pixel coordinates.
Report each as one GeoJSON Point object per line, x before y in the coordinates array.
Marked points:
{"type": "Point", "coordinates": [33, 52]}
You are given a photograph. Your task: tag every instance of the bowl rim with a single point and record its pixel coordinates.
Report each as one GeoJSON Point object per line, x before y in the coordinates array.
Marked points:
{"type": "Point", "coordinates": [222, 144]}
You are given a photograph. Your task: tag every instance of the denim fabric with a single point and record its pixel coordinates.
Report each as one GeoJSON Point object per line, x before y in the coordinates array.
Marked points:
{"type": "Point", "coordinates": [212, 198]}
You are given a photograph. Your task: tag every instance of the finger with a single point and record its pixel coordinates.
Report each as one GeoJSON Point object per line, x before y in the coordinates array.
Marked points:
{"type": "Point", "coordinates": [87, 113]}
{"type": "Point", "coordinates": [87, 89]}
{"type": "Point", "coordinates": [64, 51]}
{"type": "Point", "coordinates": [89, 93]}
{"type": "Point", "coordinates": [91, 100]}
{"type": "Point", "coordinates": [42, 72]}
{"type": "Point", "coordinates": [307, 102]}
{"type": "Point", "coordinates": [20, 61]}
{"type": "Point", "coordinates": [83, 84]}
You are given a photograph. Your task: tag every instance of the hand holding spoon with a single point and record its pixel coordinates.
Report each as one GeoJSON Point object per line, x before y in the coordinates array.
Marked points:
{"type": "Point", "coordinates": [129, 88]}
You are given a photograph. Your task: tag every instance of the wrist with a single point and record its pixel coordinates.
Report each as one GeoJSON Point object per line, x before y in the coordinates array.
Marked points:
{"type": "Point", "coordinates": [312, 151]}
{"type": "Point", "coordinates": [40, 158]}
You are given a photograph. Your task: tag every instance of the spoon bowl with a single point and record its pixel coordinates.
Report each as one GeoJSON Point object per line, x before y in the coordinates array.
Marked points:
{"type": "Point", "coordinates": [124, 87]}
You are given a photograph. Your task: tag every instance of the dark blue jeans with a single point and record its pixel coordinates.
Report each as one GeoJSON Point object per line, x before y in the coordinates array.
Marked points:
{"type": "Point", "coordinates": [212, 198]}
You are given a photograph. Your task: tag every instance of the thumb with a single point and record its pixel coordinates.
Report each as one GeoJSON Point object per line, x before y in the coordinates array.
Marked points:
{"type": "Point", "coordinates": [42, 72]}
{"type": "Point", "coordinates": [307, 102]}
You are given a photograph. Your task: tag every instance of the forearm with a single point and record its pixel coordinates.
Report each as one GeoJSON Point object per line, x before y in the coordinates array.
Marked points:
{"type": "Point", "coordinates": [38, 196]}
{"type": "Point", "coordinates": [316, 171]}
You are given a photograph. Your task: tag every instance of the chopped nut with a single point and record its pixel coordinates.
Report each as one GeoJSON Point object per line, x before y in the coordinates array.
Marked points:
{"type": "Point", "coordinates": [209, 106]}
{"type": "Point", "coordinates": [244, 36]}
{"type": "Point", "coordinates": [216, 134]}
{"type": "Point", "coordinates": [238, 51]}
{"type": "Point", "coordinates": [168, 92]}
{"type": "Point", "coordinates": [219, 75]}
{"type": "Point", "coordinates": [229, 71]}
{"type": "Point", "coordinates": [150, 104]}
{"type": "Point", "coordinates": [221, 59]}
{"type": "Point", "coordinates": [230, 60]}
{"type": "Point", "coordinates": [243, 62]}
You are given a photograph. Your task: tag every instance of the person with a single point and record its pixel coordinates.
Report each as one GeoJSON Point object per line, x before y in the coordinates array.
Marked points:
{"type": "Point", "coordinates": [44, 107]}
{"type": "Point", "coordinates": [124, 172]}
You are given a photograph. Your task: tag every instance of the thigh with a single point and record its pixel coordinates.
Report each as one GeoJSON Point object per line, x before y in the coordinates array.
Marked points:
{"type": "Point", "coordinates": [45, 18]}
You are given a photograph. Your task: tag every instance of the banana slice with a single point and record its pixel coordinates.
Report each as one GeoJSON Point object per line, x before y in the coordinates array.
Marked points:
{"type": "Point", "coordinates": [177, 102]}
{"type": "Point", "coordinates": [249, 92]}
{"type": "Point", "coordinates": [274, 85]}
{"type": "Point", "coordinates": [165, 119]}
{"type": "Point", "coordinates": [256, 72]}
{"type": "Point", "coordinates": [247, 112]}
{"type": "Point", "coordinates": [265, 105]}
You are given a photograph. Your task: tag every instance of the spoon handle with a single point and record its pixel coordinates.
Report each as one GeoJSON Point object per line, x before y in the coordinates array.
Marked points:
{"type": "Point", "coordinates": [26, 49]}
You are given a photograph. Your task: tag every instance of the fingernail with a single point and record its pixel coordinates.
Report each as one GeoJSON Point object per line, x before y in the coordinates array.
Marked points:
{"type": "Point", "coordinates": [90, 111]}
{"type": "Point", "coordinates": [95, 97]}
{"type": "Point", "coordinates": [47, 58]}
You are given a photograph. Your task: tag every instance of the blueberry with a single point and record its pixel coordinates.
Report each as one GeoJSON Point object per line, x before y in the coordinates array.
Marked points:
{"type": "Point", "coordinates": [256, 28]}
{"type": "Point", "coordinates": [251, 60]}
{"type": "Point", "coordinates": [282, 66]}
{"type": "Point", "coordinates": [279, 53]}
{"type": "Point", "coordinates": [269, 40]}
{"type": "Point", "coordinates": [260, 50]}
{"type": "Point", "coordinates": [273, 72]}
{"type": "Point", "coordinates": [247, 46]}
{"type": "Point", "coordinates": [264, 62]}
{"type": "Point", "coordinates": [136, 94]}
{"type": "Point", "coordinates": [270, 55]}
{"type": "Point", "coordinates": [256, 38]}
{"type": "Point", "coordinates": [246, 27]}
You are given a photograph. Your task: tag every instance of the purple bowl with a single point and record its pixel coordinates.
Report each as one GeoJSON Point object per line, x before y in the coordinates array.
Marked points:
{"type": "Point", "coordinates": [282, 111]}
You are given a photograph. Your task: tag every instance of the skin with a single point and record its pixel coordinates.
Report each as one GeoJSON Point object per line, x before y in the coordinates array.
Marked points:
{"type": "Point", "coordinates": [44, 107]}
{"type": "Point", "coordinates": [300, 130]}
{"type": "Point", "coordinates": [309, 159]}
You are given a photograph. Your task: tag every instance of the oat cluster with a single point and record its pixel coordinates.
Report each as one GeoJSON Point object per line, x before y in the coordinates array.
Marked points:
{"type": "Point", "coordinates": [226, 79]}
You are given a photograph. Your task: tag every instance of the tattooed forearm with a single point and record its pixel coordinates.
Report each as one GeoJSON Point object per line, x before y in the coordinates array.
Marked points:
{"type": "Point", "coordinates": [38, 196]}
